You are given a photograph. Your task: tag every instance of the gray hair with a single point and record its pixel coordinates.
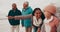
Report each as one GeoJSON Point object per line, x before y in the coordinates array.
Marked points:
{"type": "Point", "coordinates": [26, 2]}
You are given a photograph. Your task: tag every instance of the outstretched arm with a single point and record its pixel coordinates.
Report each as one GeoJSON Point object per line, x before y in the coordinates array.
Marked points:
{"type": "Point", "coordinates": [22, 17]}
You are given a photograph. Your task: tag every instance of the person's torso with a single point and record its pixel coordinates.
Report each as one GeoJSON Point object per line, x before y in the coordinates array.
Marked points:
{"type": "Point", "coordinates": [25, 12]}
{"type": "Point", "coordinates": [14, 13]}
{"type": "Point", "coordinates": [53, 24]}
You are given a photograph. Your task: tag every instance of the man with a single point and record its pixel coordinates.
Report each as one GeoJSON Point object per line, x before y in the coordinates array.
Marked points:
{"type": "Point", "coordinates": [27, 22]}
{"type": "Point", "coordinates": [13, 22]}
{"type": "Point", "coordinates": [26, 17]}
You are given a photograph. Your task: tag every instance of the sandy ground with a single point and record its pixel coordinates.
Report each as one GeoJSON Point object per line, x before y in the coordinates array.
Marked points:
{"type": "Point", "coordinates": [5, 26]}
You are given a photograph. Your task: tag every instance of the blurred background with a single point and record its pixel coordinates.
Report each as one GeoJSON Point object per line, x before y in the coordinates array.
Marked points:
{"type": "Point", "coordinates": [5, 6]}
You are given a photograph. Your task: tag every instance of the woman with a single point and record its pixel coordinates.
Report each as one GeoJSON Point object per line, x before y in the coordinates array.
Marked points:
{"type": "Point", "coordinates": [51, 21]}
{"type": "Point", "coordinates": [37, 19]}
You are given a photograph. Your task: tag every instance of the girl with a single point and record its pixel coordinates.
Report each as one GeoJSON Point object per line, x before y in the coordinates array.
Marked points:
{"type": "Point", "coordinates": [51, 21]}
{"type": "Point", "coordinates": [38, 18]}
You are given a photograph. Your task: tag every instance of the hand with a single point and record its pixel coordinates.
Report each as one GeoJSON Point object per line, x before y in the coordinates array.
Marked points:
{"type": "Point", "coordinates": [38, 30]}
{"type": "Point", "coordinates": [10, 17]}
{"type": "Point", "coordinates": [17, 18]}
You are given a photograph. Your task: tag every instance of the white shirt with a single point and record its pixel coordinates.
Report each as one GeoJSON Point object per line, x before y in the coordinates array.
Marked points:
{"type": "Point", "coordinates": [47, 26]}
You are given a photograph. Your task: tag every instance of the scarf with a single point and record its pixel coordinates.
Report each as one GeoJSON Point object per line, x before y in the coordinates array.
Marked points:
{"type": "Point", "coordinates": [37, 22]}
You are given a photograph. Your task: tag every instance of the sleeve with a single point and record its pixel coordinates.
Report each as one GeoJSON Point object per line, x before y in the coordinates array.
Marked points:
{"type": "Point", "coordinates": [58, 28]}
{"type": "Point", "coordinates": [56, 22]}
{"type": "Point", "coordinates": [22, 21]}
{"type": "Point", "coordinates": [57, 25]}
{"type": "Point", "coordinates": [30, 11]}
{"type": "Point", "coordinates": [9, 14]}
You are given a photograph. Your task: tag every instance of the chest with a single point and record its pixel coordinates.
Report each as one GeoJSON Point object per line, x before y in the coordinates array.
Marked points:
{"type": "Point", "coordinates": [25, 12]}
{"type": "Point", "coordinates": [14, 13]}
{"type": "Point", "coordinates": [52, 24]}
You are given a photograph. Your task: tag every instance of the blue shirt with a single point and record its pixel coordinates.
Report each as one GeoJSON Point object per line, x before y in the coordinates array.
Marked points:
{"type": "Point", "coordinates": [27, 22]}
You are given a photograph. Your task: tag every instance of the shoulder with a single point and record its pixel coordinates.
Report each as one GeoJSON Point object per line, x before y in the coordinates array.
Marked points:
{"type": "Point", "coordinates": [29, 7]}
{"type": "Point", "coordinates": [10, 11]}
{"type": "Point", "coordinates": [55, 18]}
{"type": "Point", "coordinates": [18, 10]}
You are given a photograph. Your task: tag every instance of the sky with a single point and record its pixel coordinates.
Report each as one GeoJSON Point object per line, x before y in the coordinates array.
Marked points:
{"type": "Point", "coordinates": [5, 5]}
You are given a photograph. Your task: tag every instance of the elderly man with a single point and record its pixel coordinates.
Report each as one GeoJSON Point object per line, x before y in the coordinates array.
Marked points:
{"type": "Point", "coordinates": [26, 17]}
{"type": "Point", "coordinates": [14, 23]}
{"type": "Point", "coordinates": [27, 11]}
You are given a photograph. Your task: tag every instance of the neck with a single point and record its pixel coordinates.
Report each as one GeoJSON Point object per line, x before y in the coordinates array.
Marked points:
{"type": "Point", "coordinates": [14, 9]}
{"type": "Point", "coordinates": [25, 7]}
{"type": "Point", "coordinates": [38, 18]}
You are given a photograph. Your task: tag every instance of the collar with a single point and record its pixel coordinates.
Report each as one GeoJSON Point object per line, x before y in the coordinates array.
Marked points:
{"type": "Point", "coordinates": [26, 8]}
{"type": "Point", "coordinates": [37, 22]}
{"type": "Point", "coordinates": [48, 20]}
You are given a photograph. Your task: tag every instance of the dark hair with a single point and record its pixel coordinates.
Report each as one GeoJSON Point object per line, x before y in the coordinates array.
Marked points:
{"type": "Point", "coordinates": [42, 16]}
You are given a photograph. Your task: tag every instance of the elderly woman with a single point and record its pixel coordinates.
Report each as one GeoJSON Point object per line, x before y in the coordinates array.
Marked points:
{"type": "Point", "coordinates": [51, 21]}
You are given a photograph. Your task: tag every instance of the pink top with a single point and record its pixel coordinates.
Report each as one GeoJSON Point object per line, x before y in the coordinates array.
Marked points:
{"type": "Point", "coordinates": [54, 24]}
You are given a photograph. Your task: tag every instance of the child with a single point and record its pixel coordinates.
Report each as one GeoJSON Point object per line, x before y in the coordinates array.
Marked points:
{"type": "Point", "coordinates": [38, 18]}
{"type": "Point", "coordinates": [51, 21]}
{"type": "Point", "coordinates": [14, 23]}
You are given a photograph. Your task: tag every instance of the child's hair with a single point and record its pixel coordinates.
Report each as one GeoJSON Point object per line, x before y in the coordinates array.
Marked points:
{"type": "Point", "coordinates": [42, 16]}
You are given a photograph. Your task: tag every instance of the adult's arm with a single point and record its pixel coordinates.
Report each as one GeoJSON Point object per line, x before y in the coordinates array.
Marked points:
{"type": "Point", "coordinates": [23, 17]}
